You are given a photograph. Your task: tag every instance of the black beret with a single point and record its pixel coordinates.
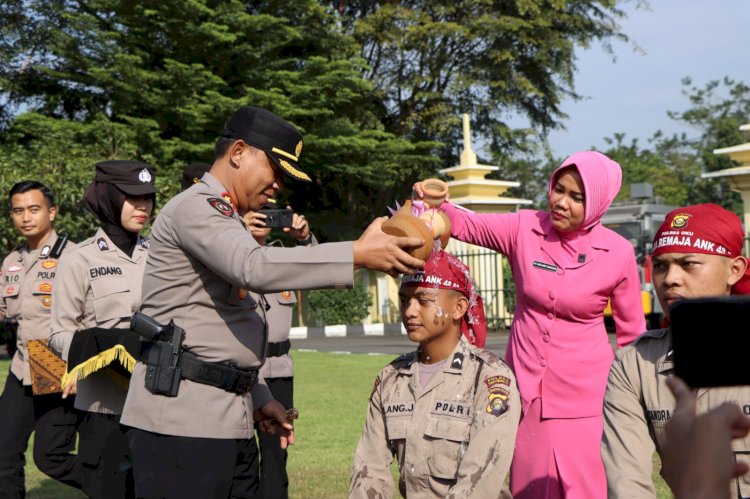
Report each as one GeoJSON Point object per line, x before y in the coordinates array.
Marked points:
{"type": "Point", "coordinates": [262, 129]}
{"type": "Point", "coordinates": [192, 174]}
{"type": "Point", "coordinates": [131, 177]}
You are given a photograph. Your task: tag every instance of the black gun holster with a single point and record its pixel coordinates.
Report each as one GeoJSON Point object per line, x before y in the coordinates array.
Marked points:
{"type": "Point", "coordinates": [167, 362]}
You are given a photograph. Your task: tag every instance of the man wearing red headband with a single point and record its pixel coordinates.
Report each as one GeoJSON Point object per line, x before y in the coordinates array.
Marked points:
{"type": "Point", "coordinates": [449, 411]}
{"type": "Point", "coordinates": [697, 253]}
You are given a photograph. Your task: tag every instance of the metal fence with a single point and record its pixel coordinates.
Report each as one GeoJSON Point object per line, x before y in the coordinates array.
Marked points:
{"type": "Point", "coordinates": [493, 280]}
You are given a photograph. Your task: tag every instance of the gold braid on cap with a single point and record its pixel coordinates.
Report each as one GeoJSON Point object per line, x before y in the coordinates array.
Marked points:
{"type": "Point", "coordinates": [294, 172]}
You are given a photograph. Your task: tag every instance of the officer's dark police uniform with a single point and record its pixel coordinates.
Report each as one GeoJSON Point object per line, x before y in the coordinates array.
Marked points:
{"type": "Point", "coordinates": [202, 263]}
{"type": "Point", "coordinates": [28, 278]}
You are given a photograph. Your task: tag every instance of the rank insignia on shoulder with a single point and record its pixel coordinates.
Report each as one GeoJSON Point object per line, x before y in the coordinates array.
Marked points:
{"type": "Point", "coordinates": [221, 206]}
{"type": "Point", "coordinates": [101, 243]}
{"type": "Point", "coordinates": [497, 404]}
{"type": "Point", "coordinates": [458, 361]}
{"type": "Point", "coordinates": [45, 252]}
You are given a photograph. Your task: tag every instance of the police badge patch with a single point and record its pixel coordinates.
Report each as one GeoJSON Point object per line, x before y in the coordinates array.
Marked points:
{"type": "Point", "coordinates": [497, 404]}
{"type": "Point", "coordinates": [221, 206]}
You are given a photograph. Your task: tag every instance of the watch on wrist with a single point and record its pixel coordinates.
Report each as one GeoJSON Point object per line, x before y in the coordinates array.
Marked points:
{"type": "Point", "coordinates": [305, 242]}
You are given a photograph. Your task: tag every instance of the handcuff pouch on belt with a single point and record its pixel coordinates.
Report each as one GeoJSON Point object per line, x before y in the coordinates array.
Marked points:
{"type": "Point", "coordinates": [278, 349]}
{"type": "Point", "coordinates": [167, 362]}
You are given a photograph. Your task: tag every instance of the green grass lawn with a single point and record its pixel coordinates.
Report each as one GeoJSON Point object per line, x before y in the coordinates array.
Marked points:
{"type": "Point", "coordinates": [331, 393]}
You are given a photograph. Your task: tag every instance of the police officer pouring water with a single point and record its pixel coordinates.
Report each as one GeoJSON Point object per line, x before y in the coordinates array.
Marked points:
{"type": "Point", "coordinates": [192, 418]}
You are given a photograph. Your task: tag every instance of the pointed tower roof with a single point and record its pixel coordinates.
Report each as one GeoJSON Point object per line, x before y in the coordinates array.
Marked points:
{"type": "Point", "coordinates": [469, 186]}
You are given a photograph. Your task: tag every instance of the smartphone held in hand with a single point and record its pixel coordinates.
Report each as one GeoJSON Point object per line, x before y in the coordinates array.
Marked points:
{"type": "Point", "coordinates": [711, 340]}
{"type": "Point", "coordinates": [277, 218]}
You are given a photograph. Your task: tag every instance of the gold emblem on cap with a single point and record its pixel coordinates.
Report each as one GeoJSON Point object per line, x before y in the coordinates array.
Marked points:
{"type": "Point", "coordinates": [680, 221]}
{"type": "Point", "coordinates": [298, 174]}
{"type": "Point", "coordinates": [298, 149]}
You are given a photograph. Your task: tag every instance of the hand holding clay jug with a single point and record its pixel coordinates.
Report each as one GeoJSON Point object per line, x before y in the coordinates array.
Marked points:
{"type": "Point", "coordinates": [420, 219]}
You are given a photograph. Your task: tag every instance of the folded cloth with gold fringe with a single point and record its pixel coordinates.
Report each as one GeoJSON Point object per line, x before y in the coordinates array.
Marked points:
{"type": "Point", "coordinates": [98, 348]}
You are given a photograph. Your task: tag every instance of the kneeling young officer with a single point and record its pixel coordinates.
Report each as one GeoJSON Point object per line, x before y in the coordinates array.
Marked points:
{"type": "Point", "coordinates": [449, 411]}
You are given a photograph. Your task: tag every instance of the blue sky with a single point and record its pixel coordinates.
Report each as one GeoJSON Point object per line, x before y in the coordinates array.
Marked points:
{"type": "Point", "coordinates": [705, 40]}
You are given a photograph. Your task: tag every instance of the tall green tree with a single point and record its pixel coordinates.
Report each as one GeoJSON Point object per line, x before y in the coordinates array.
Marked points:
{"type": "Point", "coordinates": [716, 112]}
{"type": "Point", "coordinates": [173, 71]}
{"type": "Point", "coordinates": [431, 60]}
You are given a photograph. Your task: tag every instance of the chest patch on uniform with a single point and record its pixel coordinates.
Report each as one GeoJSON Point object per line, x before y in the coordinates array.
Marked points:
{"type": "Point", "coordinates": [449, 408]}
{"type": "Point", "coordinates": [286, 294]}
{"type": "Point", "coordinates": [659, 415]}
{"type": "Point", "coordinates": [15, 268]}
{"type": "Point", "coordinates": [9, 290]}
{"type": "Point", "coordinates": [47, 300]}
{"type": "Point", "coordinates": [102, 244]}
{"type": "Point", "coordinates": [497, 404]}
{"type": "Point", "coordinates": [49, 264]}
{"type": "Point", "coordinates": [95, 272]}
{"type": "Point", "coordinates": [545, 266]}
{"type": "Point", "coordinates": [397, 408]}
{"type": "Point", "coordinates": [221, 206]}
{"type": "Point", "coordinates": [45, 287]}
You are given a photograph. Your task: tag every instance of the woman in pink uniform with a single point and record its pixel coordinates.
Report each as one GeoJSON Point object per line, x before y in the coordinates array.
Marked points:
{"type": "Point", "coordinates": [566, 266]}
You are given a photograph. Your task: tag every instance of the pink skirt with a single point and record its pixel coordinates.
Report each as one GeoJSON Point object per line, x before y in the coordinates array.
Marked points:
{"type": "Point", "coordinates": [557, 458]}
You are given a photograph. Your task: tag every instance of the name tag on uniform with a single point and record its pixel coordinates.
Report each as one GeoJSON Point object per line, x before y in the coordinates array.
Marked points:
{"type": "Point", "coordinates": [451, 408]}
{"type": "Point", "coordinates": [659, 415]}
{"type": "Point", "coordinates": [398, 408]}
{"type": "Point", "coordinates": [545, 266]}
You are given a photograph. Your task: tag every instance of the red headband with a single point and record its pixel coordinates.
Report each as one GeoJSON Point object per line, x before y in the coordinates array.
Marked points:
{"type": "Point", "coordinates": [703, 228]}
{"type": "Point", "coordinates": [444, 271]}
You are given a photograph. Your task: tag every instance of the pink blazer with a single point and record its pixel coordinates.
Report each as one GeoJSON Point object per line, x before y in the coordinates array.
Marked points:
{"type": "Point", "coordinates": [558, 345]}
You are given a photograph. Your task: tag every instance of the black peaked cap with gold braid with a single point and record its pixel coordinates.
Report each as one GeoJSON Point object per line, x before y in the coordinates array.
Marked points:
{"type": "Point", "coordinates": [262, 129]}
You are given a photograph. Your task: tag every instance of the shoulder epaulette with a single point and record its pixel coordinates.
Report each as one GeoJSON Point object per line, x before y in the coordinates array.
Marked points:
{"type": "Point", "coordinates": [59, 246]}
{"type": "Point", "coordinates": [651, 334]}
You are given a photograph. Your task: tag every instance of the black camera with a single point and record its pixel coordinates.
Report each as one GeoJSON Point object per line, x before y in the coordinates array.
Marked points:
{"type": "Point", "coordinates": [277, 218]}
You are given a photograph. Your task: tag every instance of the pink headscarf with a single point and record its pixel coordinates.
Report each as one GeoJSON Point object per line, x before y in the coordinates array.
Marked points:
{"type": "Point", "coordinates": [601, 177]}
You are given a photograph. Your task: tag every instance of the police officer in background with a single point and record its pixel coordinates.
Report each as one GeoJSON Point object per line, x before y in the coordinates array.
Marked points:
{"type": "Point", "coordinates": [192, 174]}
{"type": "Point", "coordinates": [28, 276]}
{"type": "Point", "coordinates": [100, 286]}
{"type": "Point", "coordinates": [278, 370]}
{"type": "Point", "coordinates": [638, 404]}
{"type": "Point", "coordinates": [192, 423]}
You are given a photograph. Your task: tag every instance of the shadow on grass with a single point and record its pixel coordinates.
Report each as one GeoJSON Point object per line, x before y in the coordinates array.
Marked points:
{"type": "Point", "coordinates": [47, 488]}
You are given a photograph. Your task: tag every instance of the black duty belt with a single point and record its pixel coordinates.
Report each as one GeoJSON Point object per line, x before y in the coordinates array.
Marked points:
{"type": "Point", "coordinates": [278, 349]}
{"type": "Point", "coordinates": [222, 376]}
